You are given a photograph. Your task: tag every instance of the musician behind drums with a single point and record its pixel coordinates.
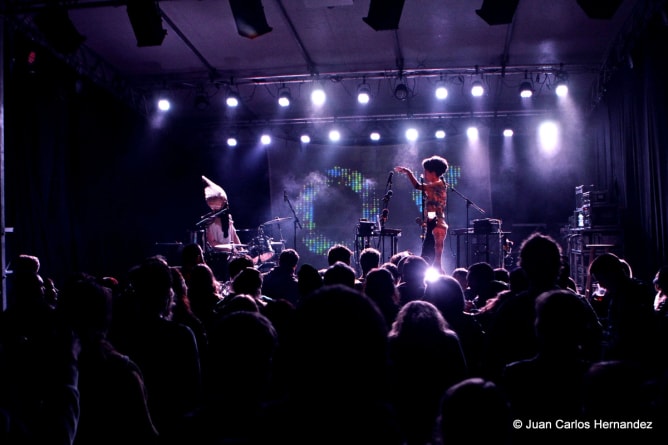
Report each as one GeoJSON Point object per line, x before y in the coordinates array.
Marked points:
{"type": "Point", "coordinates": [220, 233]}
{"type": "Point", "coordinates": [434, 196]}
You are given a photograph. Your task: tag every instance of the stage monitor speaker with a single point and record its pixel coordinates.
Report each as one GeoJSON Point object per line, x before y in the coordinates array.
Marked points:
{"type": "Point", "coordinates": [249, 18]}
{"type": "Point", "coordinates": [384, 14]}
{"type": "Point", "coordinates": [481, 248]}
{"type": "Point", "coordinates": [146, 21]}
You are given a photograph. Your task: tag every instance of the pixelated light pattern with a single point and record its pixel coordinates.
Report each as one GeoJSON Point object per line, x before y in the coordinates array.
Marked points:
{"type": "Point", "coordinates": [315, 240]}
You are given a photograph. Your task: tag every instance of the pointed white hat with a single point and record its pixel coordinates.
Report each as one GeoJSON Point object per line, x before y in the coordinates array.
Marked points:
{"type": "Point", "coordinates": [213, 190]}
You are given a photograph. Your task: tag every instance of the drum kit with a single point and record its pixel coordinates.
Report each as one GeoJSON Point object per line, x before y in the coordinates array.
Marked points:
{"type": "Point", "coordinates": [261, 248]}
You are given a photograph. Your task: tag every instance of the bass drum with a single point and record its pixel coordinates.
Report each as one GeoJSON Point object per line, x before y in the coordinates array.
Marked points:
{"type": "Point", "coordinates": [260, 249]}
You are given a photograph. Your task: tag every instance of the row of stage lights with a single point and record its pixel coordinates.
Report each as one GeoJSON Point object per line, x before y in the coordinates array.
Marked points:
{"type": "Point", "coordinates": [334, 136]}
{"type": "Point", "coordinates": [401, 92]}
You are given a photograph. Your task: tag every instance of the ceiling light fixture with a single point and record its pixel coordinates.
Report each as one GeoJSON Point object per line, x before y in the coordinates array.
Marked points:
{"type": "Point", "coordinates": [232, 99]}
{"type": "Point", "coordinates": [441, 91]}
{"type": "Point", "coordinates": [561, 85]}
{"type": "Point", "coordinates": [526, 89]}
{"type": "Point", "coordinates": [284, 97]}
{"type": "Point", "coordinates": [477, 89]}
{"type": "Point", "coordinates": [401, 91]}
{"type": "Point", "coordinates": [318, 95]}
{"type": "Point", "coordinates": [363, 94]}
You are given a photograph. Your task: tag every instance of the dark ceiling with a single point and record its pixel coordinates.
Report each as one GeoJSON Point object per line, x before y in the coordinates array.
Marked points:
{"type": "Point", "coordinates": [202, 53]}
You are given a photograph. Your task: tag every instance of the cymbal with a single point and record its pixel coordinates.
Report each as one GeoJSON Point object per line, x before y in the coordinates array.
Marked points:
{"type": "Point", "coordinates": [276, 220]}
{"type": "Point", "coordinates": [230, 246]}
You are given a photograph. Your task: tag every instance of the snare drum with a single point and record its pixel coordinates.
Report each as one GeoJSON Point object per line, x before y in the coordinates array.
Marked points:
{"type": "Point", "coordinates": [260, 249]}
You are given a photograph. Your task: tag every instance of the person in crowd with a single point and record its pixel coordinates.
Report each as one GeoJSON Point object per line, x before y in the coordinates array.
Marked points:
{"type": "Point", "coordinates": [380, 287]}
{"type": "Point", "coordinates": [426, 358]}
{"type": "Point", "coordinates": [660, 282]}
{"type": "Point", "coordinates": [182, 311]}
{"type": "Point", "coordinates": [113, 397]}
{"type": "Point", "coordinates": [191, 255]}
{"type": "Point", "coordinates": [165, 351]}
{"type": "Point", "coordinates": [510, 334]}
{"type": "Point", "coordinates": [472, 404]}
{"type": "Point", "coordinates": [369, 259]}
{"type": "Point", "coordinates": [434, 189]}
{"type": "Point", "coordinates": [480, 279]}
{"type": "Point", "coordinates": [203, 292]}
{"type": "Point", "coordinates": [237, 378]}
{"type": "Point", "coordinates": [308, 280]}
{"type": "Point", "coordinates": [336, 253]}
{"type": "Point", "coordinates": [394, 270]}
{"type": "Point", "coordinates": [629, 319]}
{"type": "Point", "coordinates": [340, 273]}
{"type": "Point", "coordinates": [281, 281]}
{"type": "Point", "coordinates": [548, 386]}
{"type": "Point", "coordinates": [460, 274]}
{"type": "Point", "coordinates": [337, 375]}
{"type": "Point", "coordinates": [413, 271]}
{"type": "Point", "coordinates": [39, 395]}
{"type": "Point", "coordinates": [446, 294]}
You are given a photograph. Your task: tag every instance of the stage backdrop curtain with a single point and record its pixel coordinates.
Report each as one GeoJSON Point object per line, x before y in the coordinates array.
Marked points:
{"type": "Point", "coordinates": [630, 140]}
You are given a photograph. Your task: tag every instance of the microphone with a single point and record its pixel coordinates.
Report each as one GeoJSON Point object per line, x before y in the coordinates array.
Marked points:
{"type": "Point", "coordinates": [285, 196]}
{"type": "Point", "coordinates": [389, 178]}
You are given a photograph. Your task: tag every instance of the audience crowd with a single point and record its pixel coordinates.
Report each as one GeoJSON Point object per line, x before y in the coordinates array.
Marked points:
{"type": "Point", "coordinates": [168, 354]}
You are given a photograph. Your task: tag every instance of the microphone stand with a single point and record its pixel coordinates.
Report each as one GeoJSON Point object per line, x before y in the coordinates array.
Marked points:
{"type": "Point", "coordinates": [208, 219]}
{"type": "Point", "coordinates": [469, 203]}
{"type": "Point", "coordinates": [296, 223]}
{"type": "Point", "coordinates": [386, 203]}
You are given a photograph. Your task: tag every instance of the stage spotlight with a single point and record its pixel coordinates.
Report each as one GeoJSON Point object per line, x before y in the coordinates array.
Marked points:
{"type": "Point", "coordinates": [265, 139]}
{"type": "Point", "coordinates": [284, 97]}
{"type": "Point", "coordinates": [146, 22]}
{"type": "Point", "coordinates": [439, 134]}
{"type": "Point", "coordinates": [363, 94]}
{"type": "Point", "coordinates": [305, 138]}
{"type": "Point", "coordinates": [318, 96]}
{"type": "Point", "coordinates": [508, 132]}
{"type": "Point", "coordinates": [561, 85]}
{"type": "Point", "coordinates": [477, 89]}
{"type": "Point", "coordinates": [412, 134]}
{"type": "Point", "coordinates": [497, 12]}
{"type": "Point", "coordinates": [55, 24]}
{"type": "Point", "coordinates": [526, 89]}
{"type": "Point", "coordinates": [231, 141]}
{"type": "Point", "coordinates": [384, 14]}
{"type": "Point", "coordinates": [334, 135]}
{"type": "Point", "coordinates": [441, 92]}
{"type": "Point", "coordinates": [164, 104]}
{"type": "Point", "coordinates": [249, 18]}
{"type": "Point", "coordinates": [374, 136]}
{"type": "Point", "coordinates": [401, 91]}
{"type": "Point", "coordinates": [472, 133]}
{"type": "Point", "coordinates": [232, 99]}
